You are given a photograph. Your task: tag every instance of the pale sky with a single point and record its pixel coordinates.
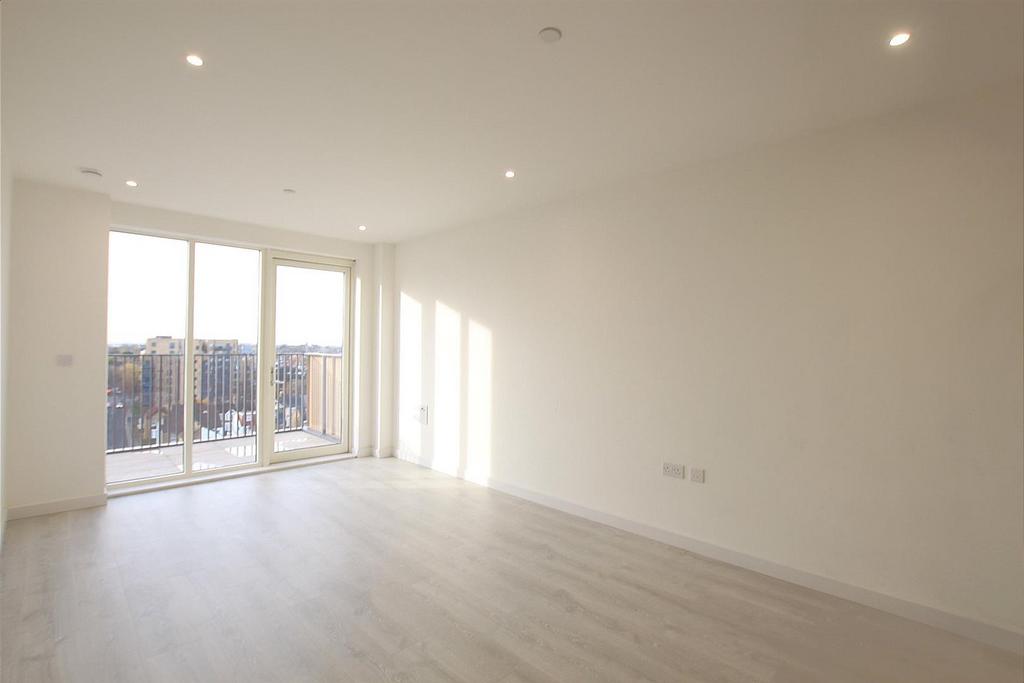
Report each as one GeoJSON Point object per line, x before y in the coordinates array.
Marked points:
{"type": "Point", "coordinates": [148, 286]}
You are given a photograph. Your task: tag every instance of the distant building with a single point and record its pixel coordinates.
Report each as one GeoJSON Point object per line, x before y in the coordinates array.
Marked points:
{"type": "Point", "coordinates": [165, 345]}
{"type": "Point", "coordinates": [162, 377]}
{"type": "Point", "coordinates": [125, 349]}
{"type": "Point", "coordinates": [216, 346]}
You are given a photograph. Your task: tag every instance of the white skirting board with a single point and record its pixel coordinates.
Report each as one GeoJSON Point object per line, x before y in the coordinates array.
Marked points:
{"type": "Point", "coordinates": [56, 506]}
{"type": "Point", "coordinates": [374, 452]}
{"type": "Point", "coordinates": [969, 628]}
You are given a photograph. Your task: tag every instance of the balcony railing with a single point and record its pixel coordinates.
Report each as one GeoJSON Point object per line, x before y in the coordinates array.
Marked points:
{"type": "Point", "coordinates": [146, 394]}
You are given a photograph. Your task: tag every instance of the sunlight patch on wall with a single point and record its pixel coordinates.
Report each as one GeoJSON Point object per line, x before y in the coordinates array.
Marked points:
{"type": "Point", "coordinates": [447, 388]}
{"type": "Point", "coordinates": [478, 403]}
{"type": "Point", "coordinates": [410, 385]}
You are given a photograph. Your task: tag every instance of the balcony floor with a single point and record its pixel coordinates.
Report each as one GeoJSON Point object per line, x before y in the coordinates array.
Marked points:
{"type": "Point", "coordinates": [159, 462]}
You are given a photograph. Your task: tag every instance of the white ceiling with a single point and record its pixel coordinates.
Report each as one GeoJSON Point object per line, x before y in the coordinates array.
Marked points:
{"type": "Point", "coordinates": [404, 116]}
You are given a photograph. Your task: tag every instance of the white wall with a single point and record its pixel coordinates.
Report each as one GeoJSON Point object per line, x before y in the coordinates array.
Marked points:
{"type": "Point", "coordinates": [56, 424]}
{"type": "Point", "coordinates": [384, 269]}
{"type": "Point", "coordinates": [831, 327]}
{"type": "Point", "coordinates": [58, 285]}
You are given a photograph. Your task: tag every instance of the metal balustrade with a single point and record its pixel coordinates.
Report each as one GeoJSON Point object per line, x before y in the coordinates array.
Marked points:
{"type": "Point", "coordinates": [146, 394]}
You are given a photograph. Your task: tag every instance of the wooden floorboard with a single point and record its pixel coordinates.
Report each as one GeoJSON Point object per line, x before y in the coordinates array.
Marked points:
{"type": "Point", "coordinates": [378, 570]}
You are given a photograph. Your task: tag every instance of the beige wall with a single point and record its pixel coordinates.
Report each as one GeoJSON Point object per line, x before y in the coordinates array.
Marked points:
{"type": "Point", "coordinates": [831, 327]}
{"type": "Point", "coordinates": [56, 420]}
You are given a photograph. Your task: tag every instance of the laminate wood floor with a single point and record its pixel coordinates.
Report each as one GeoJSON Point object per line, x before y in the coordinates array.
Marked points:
{"type": "Point", "coordinates": [377, 570]}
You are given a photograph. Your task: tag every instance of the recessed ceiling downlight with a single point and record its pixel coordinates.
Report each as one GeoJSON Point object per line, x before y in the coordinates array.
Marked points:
{"type": "Point", "coordinates": [510, 173]}
{"type": "Point", "coordinates": [131, 183]}
{"type": "Point", "coordinates": [194, 60]}
{"type": "Point", "coordinates": [899, 39]}
{"type": "Point", "coordinates": [91, 171]}
{"type": "Point", "coordinates": [362, 228]}
{"type": "Point", "coordinates": [288, 190]}
{"type": "Point", "coordinates": [550, 34]}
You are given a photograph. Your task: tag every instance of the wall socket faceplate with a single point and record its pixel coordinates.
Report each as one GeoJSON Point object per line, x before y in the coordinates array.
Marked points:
{"type": "Point", "coordinates": [697, 475]}
{"type": "Point", "coordinates": [424, 416]}
{"type": "Point", "coordinates": [671, 469]}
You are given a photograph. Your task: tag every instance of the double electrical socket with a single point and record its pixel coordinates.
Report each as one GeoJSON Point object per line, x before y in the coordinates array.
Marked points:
{"type": "Point", "coordinates": [671, 469]}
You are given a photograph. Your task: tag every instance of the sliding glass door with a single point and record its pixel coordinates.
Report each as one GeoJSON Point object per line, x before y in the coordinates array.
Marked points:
{"type": "Point", "coordinates": [222, 357]}
{"type": "Point", "coordinates": [307, 314]}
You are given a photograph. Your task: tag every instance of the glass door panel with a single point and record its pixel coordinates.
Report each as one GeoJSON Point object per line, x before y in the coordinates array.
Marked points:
{"type": "Point", "coordinates": [147, 304]}
{"type": "Point", "coordinates": [310, 368]}
{"type": "Point", "coordinates": [226, 327]}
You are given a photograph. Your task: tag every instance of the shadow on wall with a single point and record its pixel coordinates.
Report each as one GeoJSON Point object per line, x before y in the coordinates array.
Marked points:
{"type": "Point", "coordinates": [451, 430]}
